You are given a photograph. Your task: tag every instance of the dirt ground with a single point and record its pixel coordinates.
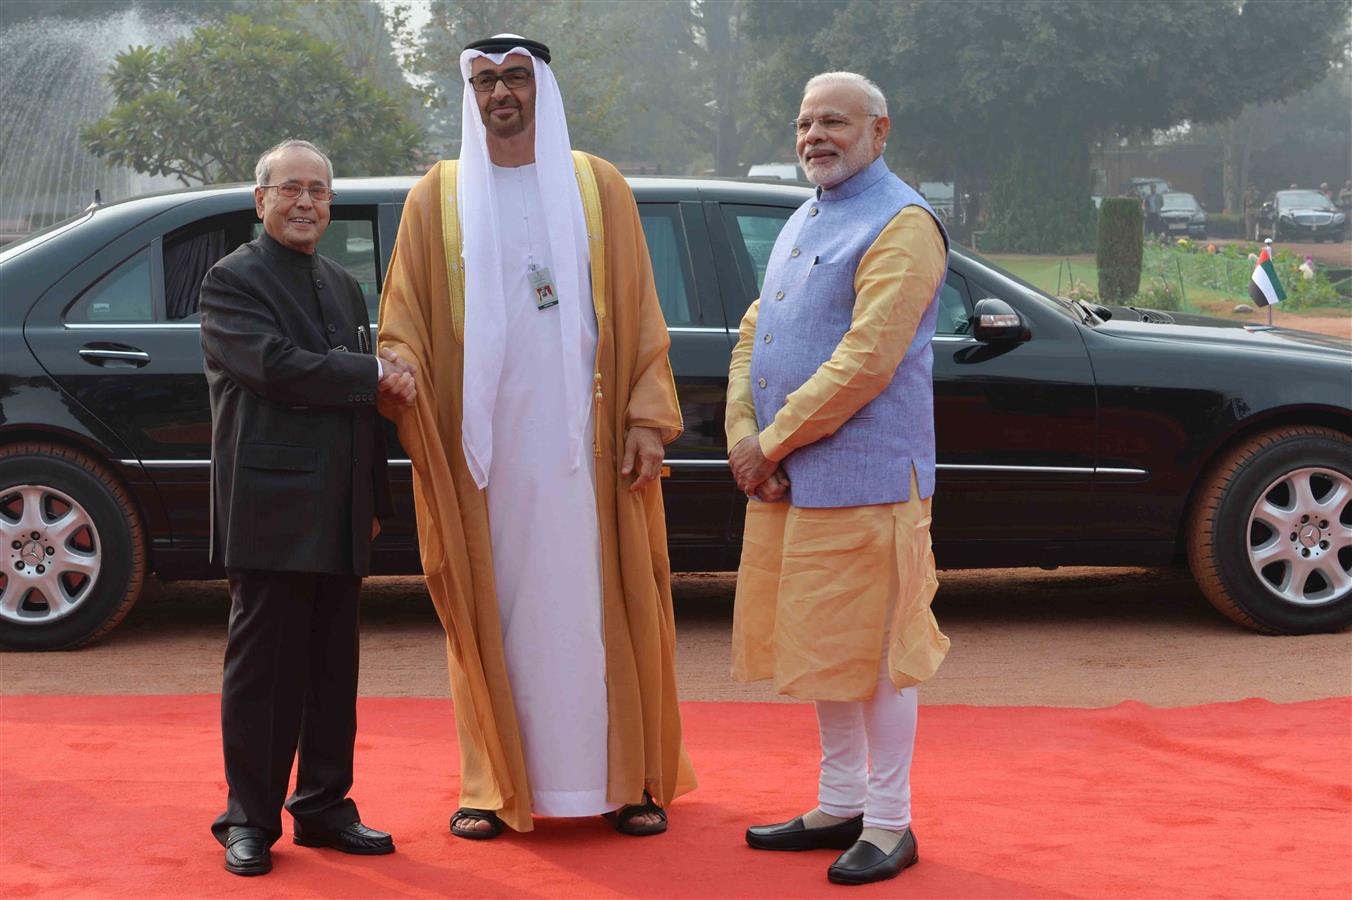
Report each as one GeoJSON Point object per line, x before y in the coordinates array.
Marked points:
{"type": "Point", "coordinates": [1073, 637]}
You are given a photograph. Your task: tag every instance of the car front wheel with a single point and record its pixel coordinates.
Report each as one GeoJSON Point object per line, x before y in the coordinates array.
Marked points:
{"type": "Point", "coordinates": [1270, 540]}
{"type": "Point", "coordinates": [73, 548]}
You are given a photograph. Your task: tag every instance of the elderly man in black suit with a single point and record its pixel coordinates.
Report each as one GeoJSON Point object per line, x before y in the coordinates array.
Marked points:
{"type": "Point", "coordinates": [298, 479]}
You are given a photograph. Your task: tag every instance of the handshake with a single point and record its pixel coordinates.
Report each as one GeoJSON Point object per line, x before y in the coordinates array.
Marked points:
{"type": "Point", "coordinates": [398, 381]}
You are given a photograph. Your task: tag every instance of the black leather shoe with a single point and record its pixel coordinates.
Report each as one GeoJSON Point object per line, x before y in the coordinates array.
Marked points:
{"type": "Point", "coordinates": [794, 835]}
{"type": "Point", "coordinates": [355, 838]}
{"type": "Point", "coordinates": [864, 863]}
{"type": "Point", "coordinates": [247, 851]}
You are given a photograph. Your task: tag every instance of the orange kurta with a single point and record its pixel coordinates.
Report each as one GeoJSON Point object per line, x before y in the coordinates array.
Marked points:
{"type": "Point", "coordinates": [822, 593]}
{"type": "Point", "coordinates": [421, 322]}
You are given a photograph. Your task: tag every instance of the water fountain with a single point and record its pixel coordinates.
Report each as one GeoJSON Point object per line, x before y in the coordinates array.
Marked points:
{"type": "Point", "coordinates": [53, 72]}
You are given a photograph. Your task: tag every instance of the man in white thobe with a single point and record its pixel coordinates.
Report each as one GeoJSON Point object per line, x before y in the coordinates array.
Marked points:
{"type": "Point", "coordinates": [574, 712]}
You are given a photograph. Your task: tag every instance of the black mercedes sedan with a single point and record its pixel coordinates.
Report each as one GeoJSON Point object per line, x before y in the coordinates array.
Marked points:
{"type": "Point", "coordinates": [1304, 215]}
{"type": "Point", "coordinates": [1068, 434]}
{"type": "Point", "coordinates": [1182, 216]}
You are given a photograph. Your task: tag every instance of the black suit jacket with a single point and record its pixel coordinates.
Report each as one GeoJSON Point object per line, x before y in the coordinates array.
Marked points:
{"type": "Point", "coordinates": [298, 463]}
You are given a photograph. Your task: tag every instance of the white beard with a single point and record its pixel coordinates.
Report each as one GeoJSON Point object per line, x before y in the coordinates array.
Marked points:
{"type": "Point", "coordinates": [828, 175]}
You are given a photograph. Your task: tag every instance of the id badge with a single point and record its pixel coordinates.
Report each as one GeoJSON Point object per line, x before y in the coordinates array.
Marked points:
{"type": "Point", "coordinates": [543, 284]}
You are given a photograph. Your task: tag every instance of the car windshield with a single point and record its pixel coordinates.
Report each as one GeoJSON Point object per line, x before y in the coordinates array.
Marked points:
{"type": "Point", "coordinates": [1037, 292]}
{"type": "Point", "coordinates": [1305, 200]}
{"type": "Point", "coordinates": [1179, 201]}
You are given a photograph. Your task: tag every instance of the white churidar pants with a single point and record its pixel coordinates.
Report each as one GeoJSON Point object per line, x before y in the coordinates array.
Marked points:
{"type": "Point", "coordinates": [866, 755]}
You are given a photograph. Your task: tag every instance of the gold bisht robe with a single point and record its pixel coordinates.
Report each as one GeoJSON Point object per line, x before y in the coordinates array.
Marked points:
{"type": "Point", "coordinates": [422, 317]}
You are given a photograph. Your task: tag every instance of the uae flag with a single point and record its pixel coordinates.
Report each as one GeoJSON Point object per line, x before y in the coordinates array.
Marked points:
{"type": "Point", "coordinates": [1264, 288]}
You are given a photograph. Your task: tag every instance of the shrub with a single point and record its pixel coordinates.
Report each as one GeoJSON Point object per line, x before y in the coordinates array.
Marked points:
{"type": "Point", "coordinates": [1119, 248]}
{"type": "Point", "coordinates": [1225, 225]}
{"type": "Point", "coordinates": [1229, 269]}
{"type": "Point", "coordinates": [1160, 294]}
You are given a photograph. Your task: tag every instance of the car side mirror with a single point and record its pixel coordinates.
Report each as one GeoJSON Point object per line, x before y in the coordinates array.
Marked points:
{"type": "Point", "coordinates": [995, 322]}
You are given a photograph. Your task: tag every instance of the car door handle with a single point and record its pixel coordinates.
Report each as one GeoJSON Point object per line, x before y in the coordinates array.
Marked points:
{"type": "Point", "coordinates": [114, 355]}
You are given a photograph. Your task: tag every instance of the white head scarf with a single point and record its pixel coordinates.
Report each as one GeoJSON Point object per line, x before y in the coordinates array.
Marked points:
{"type": "Point", "coordinates": [485, 316]}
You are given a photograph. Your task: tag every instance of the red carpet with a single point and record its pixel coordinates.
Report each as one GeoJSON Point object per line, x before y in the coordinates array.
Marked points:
{"type": "Point", "coordinates": [113, 795]}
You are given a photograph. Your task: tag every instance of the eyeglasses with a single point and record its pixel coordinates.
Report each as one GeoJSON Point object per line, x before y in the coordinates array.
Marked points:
{"type": "Point", "coordinates": [487, 82]}
{"type": "Point", "coordinates": [829, 123]}
{"type": "Point", "coordinates": [293, 191]}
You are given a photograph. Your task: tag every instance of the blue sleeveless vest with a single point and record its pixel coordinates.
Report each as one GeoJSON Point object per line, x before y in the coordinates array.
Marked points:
{"type": "Point", "coordinates": [806, 306]}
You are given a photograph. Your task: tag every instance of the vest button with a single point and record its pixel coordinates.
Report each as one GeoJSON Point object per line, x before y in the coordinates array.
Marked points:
{"type": "Point", "coordinates": [779, 295]}
{"type": "Point", "coordinates": [813, 212]}
{"type": "Point", "coordinates": [769, 338]}
{"type": "Point", "coordinates": [332, 328]}
{"type": "Point", "coordinates": [319, 283]}
{"type": "Point", "coordinates": [796, 252]}
{"type": "Point", "coordinates": [761, 383]}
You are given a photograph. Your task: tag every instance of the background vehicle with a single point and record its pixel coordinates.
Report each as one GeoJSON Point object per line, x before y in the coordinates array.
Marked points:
{"type": "Point", "coordinates": [1063, 437]}
{"type": "Point", "coordinates": [1182, 216]}
{"type": "Point", "coordinates": [939, 195]}
{"type": "Point", "coordinates": [1304, 215]}
{"type": "Point", "coordinates": [1141, 186]}
{"type": "Point", "coordinates": [784, 171]}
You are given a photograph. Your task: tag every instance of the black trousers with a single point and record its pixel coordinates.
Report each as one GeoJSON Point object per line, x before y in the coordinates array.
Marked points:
{"type": "Point", "coordinates": [290, 682]}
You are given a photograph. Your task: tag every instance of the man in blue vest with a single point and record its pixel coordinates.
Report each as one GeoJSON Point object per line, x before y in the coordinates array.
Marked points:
{"type": "Point", "coordinates": [831, 424]}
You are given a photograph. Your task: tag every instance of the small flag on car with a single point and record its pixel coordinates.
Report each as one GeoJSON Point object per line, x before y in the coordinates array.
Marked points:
{"type": "Point", "coordinates": [1264, 288]}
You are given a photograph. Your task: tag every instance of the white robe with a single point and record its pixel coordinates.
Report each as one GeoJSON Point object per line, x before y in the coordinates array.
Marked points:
{"type": "Point", "coordinates": [542, 517]}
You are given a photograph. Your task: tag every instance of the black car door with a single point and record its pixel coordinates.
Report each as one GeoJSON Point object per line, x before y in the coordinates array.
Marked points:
{"type": "Point", "coordinates": [1014, 428]}
{"type": "Point", "coordinates": [120, 334]}
{"type": "Point", "coordinates": [696, 486]}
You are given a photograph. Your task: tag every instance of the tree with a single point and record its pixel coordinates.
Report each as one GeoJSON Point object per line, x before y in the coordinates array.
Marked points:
{"type": "Point", "coordinates": [203, 108]}
{"type": "Point", "coordinates": [652, 81]}
{"type": "Point", "coordinates": [1314, 124]}
{"type": "Point", "coordinates": [582, 36]}
{"type": "Point", "coordinates": [1019, 91]}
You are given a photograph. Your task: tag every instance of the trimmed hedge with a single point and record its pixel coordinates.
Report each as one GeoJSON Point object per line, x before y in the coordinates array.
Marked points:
{"type": "Point", "coordinates": [1119, 248]}
{"type": "Point", "coordinates": [1226, 225]}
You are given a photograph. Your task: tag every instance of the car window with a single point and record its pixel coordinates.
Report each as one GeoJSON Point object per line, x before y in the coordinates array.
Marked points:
{"type": "Point", "coordinates": [671, 261]}
{"type": "Point", "coordinates": [351, 243]}
{"type": "Point", "coordinates": [752, 230]}
{"type": "Point", "coordinates": [190, 252]}
{"type": "Point", "coordinates": [953, 306]}
{"type": "Point", "coordinates": [123, 295]}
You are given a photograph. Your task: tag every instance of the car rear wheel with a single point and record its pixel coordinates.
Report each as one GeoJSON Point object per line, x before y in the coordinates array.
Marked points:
{"type": "Point", "coordinates": [1270, 540]}
{"type": "Point", "coordinates": [73, 548]}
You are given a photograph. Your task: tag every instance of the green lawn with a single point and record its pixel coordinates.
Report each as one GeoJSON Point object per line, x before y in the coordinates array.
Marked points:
{"type": "Point", "coordinates": [1057, 274]}
{"type": "Point", "coordinates": [1047, 272]}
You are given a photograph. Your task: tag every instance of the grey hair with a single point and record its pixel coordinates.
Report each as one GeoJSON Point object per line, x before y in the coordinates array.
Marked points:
{"type": "Point", "coordinates": [263, 169]}
{"type": "Point", "coordinates": [877, 103]}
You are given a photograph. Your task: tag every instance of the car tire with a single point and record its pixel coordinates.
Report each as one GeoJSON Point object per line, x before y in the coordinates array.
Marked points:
{"type": "Point", "coordinates": [81, 574]}
{"type": "Point", "coordinates": [1246, 567]}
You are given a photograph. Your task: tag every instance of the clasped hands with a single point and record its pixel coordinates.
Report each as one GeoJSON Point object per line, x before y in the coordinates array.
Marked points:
{"type": "Point", "coordinates": [398, 381]}
{"type": "Point", "coordinates": [757, 476]}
